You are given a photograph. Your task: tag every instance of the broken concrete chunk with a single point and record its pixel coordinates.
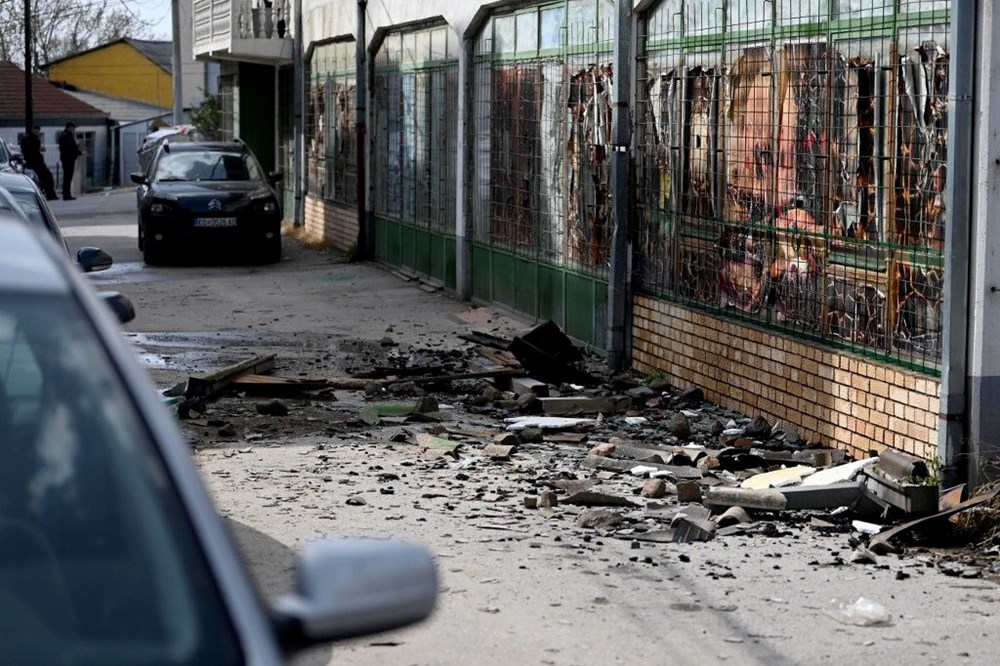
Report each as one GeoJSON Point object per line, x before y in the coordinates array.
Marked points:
{"type": "Point", "coordinates": [642, 470]}
{"type": "Point", "coordinates": [498, 451]}
{"type": "Point", "coordinates": [603, 449]}
{"type": "Point", "coordinates": [830, 496]}
{"type": "Point", "coordinates": [492, 394]}
{"type": "Point", "coordinates": [768, 500]}
{"type": "Point", "coordinates": [425, 404]}
{"type": "Point", "coordinates": [530, 502]}
{"type": "Point", "coordinates": [680, 427]}
{"type": "Point", "coordinates": [592, 498]}
{"type": "Point", "coordinates": [654, 488]}
{"type": "Point", "coordinates": [532, 435]}
{"type": "Point", "coordinates": [272, 408]}
{"type": "Point", "coordinates": [734, 459]}
{"type": "Point", "coordinates": [778, 478]}
{"type": "Point", "coordinates": [599, 519]}
{"type": "Point", "coordinates": [758, 428]}
{"type": "Point", "coordinates": [688, 491]}
{"type": "Point", "coordinates": [692, 395]}
{"type": "Point", "coordinates": [523, 385]}
{"type": "Point", "coordinates": [547, 499]}
{"type": "Point", "coordinates": [582, 405]}
{"type": "Point", "coordinates": [528, 403]}
{"type": "Point", "coordinates": [641, 393]}
{"type": "Point", "coordinates": [506, 439]}
{"type": "Point", "coordinates": [571, 486]}
{"type": "Point", "coordinates": [545, 422]}
{"type": "Point", "coordinates": [547, 353]}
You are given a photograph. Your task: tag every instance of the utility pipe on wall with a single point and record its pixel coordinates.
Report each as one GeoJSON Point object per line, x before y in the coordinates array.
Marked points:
{"type": "Point", "coordinates": [621, 157]}
{"type": "Point", "coordinates": [298, 127]}
{"type": "Point", "coordinates": [365, 235]}
{"type": "Point", "coordinates": [176, 66]}
{"type": "Point", "coordinates": [953, 413]}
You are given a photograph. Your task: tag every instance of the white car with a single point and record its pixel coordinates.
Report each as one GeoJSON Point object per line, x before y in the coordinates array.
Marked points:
{"type": "Point", "coordinates": [110, 549]}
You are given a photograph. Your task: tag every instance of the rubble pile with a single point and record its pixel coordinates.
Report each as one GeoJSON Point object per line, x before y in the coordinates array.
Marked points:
{"type": "Point", "coordinates": [535, 427]}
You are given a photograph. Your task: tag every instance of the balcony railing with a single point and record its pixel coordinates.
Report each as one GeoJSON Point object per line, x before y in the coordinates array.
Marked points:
{"type": "Point", "coordinates": [248, 30]}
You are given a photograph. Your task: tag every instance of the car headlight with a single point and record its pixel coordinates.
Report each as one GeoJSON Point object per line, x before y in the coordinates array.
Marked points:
{"type": "Point", "coordinates": [270, 207]}
{"type": "Point", "coordinates": [159, 207]}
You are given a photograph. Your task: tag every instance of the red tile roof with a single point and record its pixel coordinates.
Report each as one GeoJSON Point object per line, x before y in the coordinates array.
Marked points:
{"type": "Point", "coordinates": [48, 101]}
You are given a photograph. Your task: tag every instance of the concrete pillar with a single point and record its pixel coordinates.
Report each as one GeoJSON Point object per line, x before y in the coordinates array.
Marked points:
{"type": "Point", "coordinates": [983, 431]}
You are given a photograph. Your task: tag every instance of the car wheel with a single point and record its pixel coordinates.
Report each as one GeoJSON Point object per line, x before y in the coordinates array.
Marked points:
{"type": "Point", "coordinates": [153, 253]}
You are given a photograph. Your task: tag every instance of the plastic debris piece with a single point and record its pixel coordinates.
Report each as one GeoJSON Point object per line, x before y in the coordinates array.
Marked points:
{"type": "Point", "coordinates": [555, 422]}
{"type": "Point", "coordinates": [866, 528]}
{"type": "Point", "coordinates": [838, 474]}
{"type": "Point", "coordinates": [862, 613]}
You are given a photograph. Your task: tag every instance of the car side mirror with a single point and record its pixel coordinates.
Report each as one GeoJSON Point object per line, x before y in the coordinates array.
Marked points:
{"type": "Point", "coordinates": [138, 178]}
{"type": "Point", "coordinates": [120, 305]}
{"type": "Point", "coordinates": [275, 177]}
{"type": "Point", "coordinates": [353, 587]}
{"type": "Point", "coordinates": [93, 259]}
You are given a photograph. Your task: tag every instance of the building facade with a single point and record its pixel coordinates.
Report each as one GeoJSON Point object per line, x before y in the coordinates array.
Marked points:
{"type": "Point", "coordinates": [788, 215]}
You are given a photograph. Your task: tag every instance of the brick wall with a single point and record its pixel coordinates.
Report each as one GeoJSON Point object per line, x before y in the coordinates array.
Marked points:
{"type": "Point", "coordinates": [328, 223]}
{"type": "Point", "coordinates": [833, 397]}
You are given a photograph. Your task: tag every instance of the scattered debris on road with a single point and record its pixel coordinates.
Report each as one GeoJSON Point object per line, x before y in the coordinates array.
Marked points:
{"type": "Point", "coordinates": [621, 455]}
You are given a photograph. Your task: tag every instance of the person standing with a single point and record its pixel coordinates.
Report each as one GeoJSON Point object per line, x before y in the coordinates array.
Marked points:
{"type": "Point", "coordinates": [33, 150]}
{"type": "Point", "coordinates": [69, 150]}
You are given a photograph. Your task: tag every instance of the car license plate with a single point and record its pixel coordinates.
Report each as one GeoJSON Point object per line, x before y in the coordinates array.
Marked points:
{"type": "Point", "coordinates": [215, 222]}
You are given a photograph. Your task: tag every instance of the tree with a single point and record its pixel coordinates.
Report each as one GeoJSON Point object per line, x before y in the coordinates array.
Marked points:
{"type": "Point", "coordinates": [63, 27]}
{"type": "Point", "coordinates": [207, 118]}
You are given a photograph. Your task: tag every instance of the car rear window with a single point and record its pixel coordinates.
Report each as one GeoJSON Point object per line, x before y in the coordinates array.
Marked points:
{"type": "Point", "coordinates": [98, 562]}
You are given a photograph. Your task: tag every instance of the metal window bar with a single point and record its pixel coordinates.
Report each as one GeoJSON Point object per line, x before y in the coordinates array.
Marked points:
{"type": "Point", "coordinates": [790, 167]}
{"type": "Point", "coordinates": [415, 130]}
{"type": "Point", "coordinates": [542, 86]}
{"type": "Point", "coordinates": [331, 122]}
{"type": "Point", "coordinates": [227, 102]}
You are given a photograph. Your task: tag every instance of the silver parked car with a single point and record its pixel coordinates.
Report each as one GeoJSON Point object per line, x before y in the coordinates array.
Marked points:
{"type": "Point", "coordinates": [32, 203]}
{"type": "Point", "coordinates": [110, 549]}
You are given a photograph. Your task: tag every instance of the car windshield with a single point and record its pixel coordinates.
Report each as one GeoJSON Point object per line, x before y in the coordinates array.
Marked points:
{"type": "Point", "coordinates": [98, 560]}
{"type": "Point", "coordinates": [207, 165]}
{"type": "Point", "coordinates": [32, 207]}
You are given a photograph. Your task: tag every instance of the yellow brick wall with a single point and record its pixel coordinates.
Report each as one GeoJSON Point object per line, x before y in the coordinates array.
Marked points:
{"type": "Point", "coordinates": [331, 224]}
{"type": "Point", "coordinates": [832, 397]}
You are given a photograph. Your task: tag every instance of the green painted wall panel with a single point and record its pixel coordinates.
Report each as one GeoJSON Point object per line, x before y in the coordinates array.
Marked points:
{"type": "Point", "coordinates": [481, 263]}
{"type": "Point", "coordinates": [525, 285]}
{"type": "Point", "coordinates": [503, 278]}
{"type": "Point", "coordinates": [551, 284]}
{"type": "Point", "coordinates": [580, 305]}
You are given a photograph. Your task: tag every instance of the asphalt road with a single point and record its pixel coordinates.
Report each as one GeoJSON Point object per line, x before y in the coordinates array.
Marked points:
{"type": "Point", "coordinates": [518, 586]}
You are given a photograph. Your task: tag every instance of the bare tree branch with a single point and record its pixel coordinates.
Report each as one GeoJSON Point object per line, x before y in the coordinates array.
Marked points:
{"type": "Point", "coordinates": [63, 27]}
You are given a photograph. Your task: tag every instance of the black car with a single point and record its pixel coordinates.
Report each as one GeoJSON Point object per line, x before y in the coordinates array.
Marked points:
{"type": "Point", "coordinates": [208, 193]}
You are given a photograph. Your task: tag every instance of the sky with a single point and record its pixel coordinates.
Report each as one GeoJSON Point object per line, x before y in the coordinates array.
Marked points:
{"type": "Point", "coordinates": [156, 12]}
